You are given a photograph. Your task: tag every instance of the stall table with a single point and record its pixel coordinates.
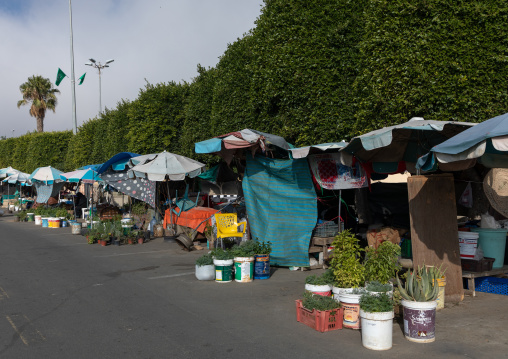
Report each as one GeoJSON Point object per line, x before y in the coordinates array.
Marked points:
{"type": "Point", "coordinates": [320, 245]}
{"type": "Point", "coordinates": [194, 218]}
{"type": "Point", "coordinates": [472, 275]}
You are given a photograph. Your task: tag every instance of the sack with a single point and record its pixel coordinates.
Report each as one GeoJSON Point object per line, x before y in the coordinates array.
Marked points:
{"type": "Point", "coordinates": [377, 236]}
{"type": "Point", "coordinates": [489, 222]}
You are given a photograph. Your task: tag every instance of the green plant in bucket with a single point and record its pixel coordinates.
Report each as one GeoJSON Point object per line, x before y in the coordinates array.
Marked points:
{"type": "Point", "coordinates": [345, 262]}
{"type": "Point", "coordinates": [222, 254]}
{"type": "Point", "coordinates": [382, 263]}
{"type": "Point", "coordinates": [375, 303]}
{"type": "Point", "coordinates": [319, 302]}
{"type": "Point", "coordinates": [420, 286]}
{"type": "Point", "coordinates": [204, 260]}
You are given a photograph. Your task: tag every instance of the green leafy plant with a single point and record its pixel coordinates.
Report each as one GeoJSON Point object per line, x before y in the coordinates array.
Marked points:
{"type": "Point", "coordinates": [382, 264]}
{"type": "Point", "coordinates": [263, 247]}
{"type": "Point", "coordinates": [345, 261]}
{"type": "Point", "coordinates": [324, 279]}
{"type": "Point", "coordinates": [204, 260]}
{"type": "Point", "coordinates": [245, 249]}
{"type": "Point", "coordinates": [374, 303]}
{"type": "Point", "coordinates": [21, 215]}
{"type": "Point", "coordinates": [222, 254]}
{"type": "Point", "coordinates": [319, 302]}
{"type": "Point", "coordinates": [376, 286]}
{"type": "Point", "coordinates": [420, 286]}
{"type": "Point", "coordinates": [139, 208]}
{"type": "Point", "coordinates": [359, 291]}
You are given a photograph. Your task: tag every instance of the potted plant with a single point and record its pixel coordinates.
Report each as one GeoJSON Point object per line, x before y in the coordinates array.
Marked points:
{"type": "Point", "coordinates": [262, 260]}
{"type": "Point", "coordinates": [320, 285]}
{"type": "Point", "coordinates": [318, 312]}
{"type": "Point", "coordinates": [243, 256]}
{"type": "Point", "coordinates": [437, 272]}
{"type": "Point", "coordinates": [377, 287]}
{"type": "Point", "coordinates": [223, 261]}
{"type": "Point", "coordinates": [382, 263]}
{"type": "Point", "coordinates": [419, 294]}
{"type": "Point", "coordinates": [208, 233]}
{"type": "Point", "coordinates": [205, 269]}
{"type": "Point", "coordinates": [376, 313]}
{"type": "Point", "coordinates": [348, 273]}
{"type": "Point", "coordinates": [20, 216]}
{"type": "Point", "coordinates": [92, 236]}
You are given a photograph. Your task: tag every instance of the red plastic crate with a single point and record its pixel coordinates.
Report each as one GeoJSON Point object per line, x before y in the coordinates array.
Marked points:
{"type": "Point", "coordinates": [322, 321]}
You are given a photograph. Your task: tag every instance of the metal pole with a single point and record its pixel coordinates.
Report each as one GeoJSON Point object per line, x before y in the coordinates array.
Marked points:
{"type": "Point", "coordinates": [100, 92]}
{"type": "Point", "coordinates": [73, 83]}
{"type": "Point", "coordinates": [340, 205]}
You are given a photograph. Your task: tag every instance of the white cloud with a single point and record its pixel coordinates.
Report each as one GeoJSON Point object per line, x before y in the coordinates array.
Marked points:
{"type": "Point", "coordinates": [160, 40]}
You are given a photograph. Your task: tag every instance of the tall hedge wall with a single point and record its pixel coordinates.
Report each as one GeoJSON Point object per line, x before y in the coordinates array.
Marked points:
{"type": "Point", "coordinates": [311, 71]}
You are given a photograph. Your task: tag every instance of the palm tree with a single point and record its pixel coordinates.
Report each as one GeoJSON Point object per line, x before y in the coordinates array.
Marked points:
{"type": "Point", "coordinates": [40, 93]}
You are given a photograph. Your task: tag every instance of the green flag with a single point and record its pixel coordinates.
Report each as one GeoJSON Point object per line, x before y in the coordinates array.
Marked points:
{"type": "Point", "coordinates": [59, 77]}
{"type": "Point", "coordinates": [82, 78]}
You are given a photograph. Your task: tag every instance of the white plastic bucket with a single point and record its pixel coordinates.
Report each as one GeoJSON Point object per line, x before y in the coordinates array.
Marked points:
{"type": "Point", "coordinates": [205, 272]}
{"type": "Point", "coordinates": [76, 228]}
{"type": "Point", "coordinates": [335, 293]}
{"type": "Point", "coordinates": [38, 220]}
{"type": "Point", "coordinates": [419, 321]}
{"type": "Point", "coordinates": [351, 304]}
{"type": "Point", "coordinates": [377, 330]}
{"type": "Point", "coordinates": [324, 290]}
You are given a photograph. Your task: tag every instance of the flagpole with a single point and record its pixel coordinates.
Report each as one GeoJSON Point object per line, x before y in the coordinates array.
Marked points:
{"type": "Point", "coordinates": [73, 82]}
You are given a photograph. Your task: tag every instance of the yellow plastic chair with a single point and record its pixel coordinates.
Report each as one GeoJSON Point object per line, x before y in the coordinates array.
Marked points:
{"type": "Point", "coordinates": [227, 226]}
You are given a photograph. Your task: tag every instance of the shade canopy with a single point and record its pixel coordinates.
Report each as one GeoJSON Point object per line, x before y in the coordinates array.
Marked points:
{"type": "Point", "coordinates": [19, 177]}
{"type": "Point", "coordinates": [8, 171]}
{"type": "Point", "coordinates": [302, 152]}
{"type": "Point", "coordinates": [228, 144]}
{"type": "Point", "coordinates": [403, 143]}
{"type": "Point", "coordinates": [48, 175]}
{"type": "Point", "coordinates": [164, 166]}
{"type": "Point", "coordinates": [118, 162]}
{"type": "Point", "coordinates": [486, 143]}
{"type": "Point", "coordinates": [86, 176]}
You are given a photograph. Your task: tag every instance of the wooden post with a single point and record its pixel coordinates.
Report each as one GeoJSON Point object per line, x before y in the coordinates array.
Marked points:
{"type": "Point", "coordinates": [434, 235]}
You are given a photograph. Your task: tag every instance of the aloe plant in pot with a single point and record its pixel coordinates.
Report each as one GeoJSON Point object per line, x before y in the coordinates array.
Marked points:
{"type": "Point", "coordinates": [419, 294]}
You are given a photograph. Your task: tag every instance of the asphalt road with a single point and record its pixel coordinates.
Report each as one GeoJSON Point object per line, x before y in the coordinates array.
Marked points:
{"type": "Point", "coordinates": [63, 298]}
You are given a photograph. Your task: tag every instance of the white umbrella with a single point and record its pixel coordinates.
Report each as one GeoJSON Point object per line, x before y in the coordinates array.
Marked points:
{"type": "Point", "coordinates": [8, 171]}
{"type": "Point", "coordinates": [48, 175]}
{"type": "Point", "coordinates": [167, 166]}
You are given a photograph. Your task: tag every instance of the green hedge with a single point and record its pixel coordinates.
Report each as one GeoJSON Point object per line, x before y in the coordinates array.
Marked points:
{"type": "Point", "coordinates": [311, 71]}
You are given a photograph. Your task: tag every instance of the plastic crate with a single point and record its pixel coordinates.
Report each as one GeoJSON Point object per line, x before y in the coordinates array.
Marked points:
{"type": "Point", "coordinates": [322, 321]}
{"type": "Point", "coordinates": [326, 229]}
{"type": "Point", "coordinates": [493, 285]}
{"type": "Point", "coordinates": [482, 265]}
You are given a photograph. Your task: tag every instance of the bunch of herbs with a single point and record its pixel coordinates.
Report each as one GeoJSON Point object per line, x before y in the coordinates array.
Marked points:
{"type": "Point", "coordinates": [376, 303]}
{"type": "Point", "coordinates": [319, 302]}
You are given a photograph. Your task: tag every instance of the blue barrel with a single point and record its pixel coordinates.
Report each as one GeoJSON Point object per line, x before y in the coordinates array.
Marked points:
{"type": "Point", "coordinates": [493, 243]}
{"type": "Point", "coordinates": [262, 266]}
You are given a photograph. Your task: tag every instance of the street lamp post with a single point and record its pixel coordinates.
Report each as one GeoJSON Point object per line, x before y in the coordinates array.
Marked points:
{"type": "Point", "coordinates": [99, 67]}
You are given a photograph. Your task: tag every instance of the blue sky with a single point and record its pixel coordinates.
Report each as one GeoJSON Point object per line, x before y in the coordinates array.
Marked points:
{"type": "Point", "coordinates": [156, 40]}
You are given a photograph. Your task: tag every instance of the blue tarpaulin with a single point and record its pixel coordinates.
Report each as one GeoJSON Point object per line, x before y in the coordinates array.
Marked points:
{"type": "Point", "coordinates": [282, 207]}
